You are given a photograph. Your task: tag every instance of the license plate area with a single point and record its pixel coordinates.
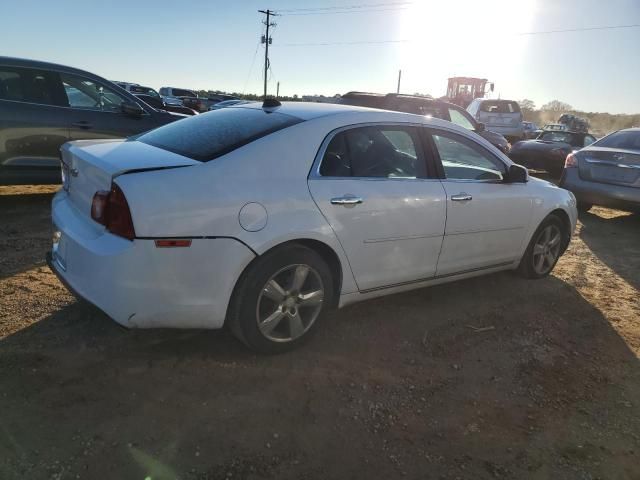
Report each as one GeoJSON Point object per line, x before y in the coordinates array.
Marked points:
{"type": "Point", "coordinates": [614, 174]}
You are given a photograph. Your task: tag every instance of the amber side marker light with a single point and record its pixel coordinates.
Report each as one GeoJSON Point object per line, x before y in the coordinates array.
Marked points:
{"type": "Point", "coordinates": [171, 243]}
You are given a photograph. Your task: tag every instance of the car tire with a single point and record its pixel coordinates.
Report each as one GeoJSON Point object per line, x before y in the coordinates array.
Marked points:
{"type": "Point", "coordinates": [584, 207]}
{"type": "Point", "coordinates": [280, 299]}
{"type": "Point", "coordinates": [543, 244]}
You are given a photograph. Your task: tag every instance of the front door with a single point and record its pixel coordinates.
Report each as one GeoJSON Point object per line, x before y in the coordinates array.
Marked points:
{"type": "Point", "coordinates": [96, 111]}
{"type": "Point", "coordinates": [487, 219]}
{"type": "Point", "coordinates": [389, 218]}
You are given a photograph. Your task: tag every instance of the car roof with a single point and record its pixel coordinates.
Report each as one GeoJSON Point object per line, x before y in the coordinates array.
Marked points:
{"type": "Point", "coordinates": [350, 113]}
{"type": "Point", "coordinates": [29, 63]}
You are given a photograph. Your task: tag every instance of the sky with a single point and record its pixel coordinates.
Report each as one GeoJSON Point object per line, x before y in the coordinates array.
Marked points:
{"type": "Point", "coordinates": [331, 46]}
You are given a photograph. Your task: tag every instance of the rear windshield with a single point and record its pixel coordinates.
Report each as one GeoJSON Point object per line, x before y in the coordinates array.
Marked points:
{"type": "Point", "coordinates": [182, 93]}
{"type": "Point", "coordinates": [144, 91]}
{"type": "Point", "coordinates": [499, 106]}
{"type": "Point", "coordinates": [562, 137]}
{"type": "Point", "coordinates": [211, 135]}
{"type": "Point", "coordinates": [625, 140]}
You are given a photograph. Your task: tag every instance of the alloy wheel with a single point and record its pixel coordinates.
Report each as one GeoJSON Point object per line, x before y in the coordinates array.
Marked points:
{"type": "Point", "coordinates": [289, 303]}
{"type": "Point", "coordinates": [546, 250]}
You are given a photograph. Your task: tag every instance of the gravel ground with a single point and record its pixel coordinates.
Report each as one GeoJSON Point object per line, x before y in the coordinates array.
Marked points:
{"type": "Point", "coordinates": [494, 377]}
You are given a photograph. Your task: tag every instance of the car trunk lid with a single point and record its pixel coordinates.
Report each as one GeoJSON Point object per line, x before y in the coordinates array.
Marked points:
{"type": "Point", "coordinates": [91, 165]}
{"type": "Point", "coordinates": [606, 165]}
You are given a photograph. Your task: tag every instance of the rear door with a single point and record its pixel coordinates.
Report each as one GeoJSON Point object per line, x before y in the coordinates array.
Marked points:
{"type": "Point", "coordinates": [95, 111]}
{"type": "Point", "coordinates": [370, 184]}
{"type": "Point", "coordinates": [33, 126]}
{"type": "Point", "coordinates": [487, 219]}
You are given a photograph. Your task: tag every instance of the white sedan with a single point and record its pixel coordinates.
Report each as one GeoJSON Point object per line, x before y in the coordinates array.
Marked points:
{"type": "Point", "coordinates": [266, 216]}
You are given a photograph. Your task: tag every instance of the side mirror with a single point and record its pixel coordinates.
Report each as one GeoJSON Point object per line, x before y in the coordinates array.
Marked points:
{"type": "Point", "coordinates": [132, 109]}
{"type": "Point", "coordinates": [480, 127]}
{"type": "Point", "coordinates": [516, 174]}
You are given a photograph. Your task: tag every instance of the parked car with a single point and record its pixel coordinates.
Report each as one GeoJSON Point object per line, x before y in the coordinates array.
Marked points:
{"type": "Point", "coordinates": [502, 116]}
{"type": "Point", "coordinates": [265, 216]}
{"type": "Point", "coordinates": [43, 105]}
{"type": "Point", "coordinates": [227, 103]}
{"type": "Point", "coordinates": [181, 96]}
{"type": "Point", "coordinates": [159, 104]}
{"type": "Point", "coordinates": [607, 172]}
{"type": "Point", "coordinates": [549, 151]}
{"type": "Point", "coordinates": [190, 99]}
{"type": "Point", "coordinates": [138, 89]}
{"type": "Point", "coordinates": [421, 105]}
{"type": "Point", "coordinates": [531, 130]}
{"type": "Point", "coordinates": [559, 127]}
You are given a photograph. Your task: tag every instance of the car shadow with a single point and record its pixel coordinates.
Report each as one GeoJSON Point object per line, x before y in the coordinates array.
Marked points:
{"type": "Point", "coordinates": [25, 230]}
{"type": "Point", "coordinates": [500, 373]}
{"type": "Point", "coordinates": [613, 237]}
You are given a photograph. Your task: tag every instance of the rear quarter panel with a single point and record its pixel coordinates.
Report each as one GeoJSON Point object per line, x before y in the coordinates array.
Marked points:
{"type": "Point", "coordinates": [205, 200]}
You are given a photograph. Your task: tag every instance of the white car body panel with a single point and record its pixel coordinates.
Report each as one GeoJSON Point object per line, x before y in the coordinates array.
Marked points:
{"type": "Point", "coordinates": [407, 233]}
{"type": "Point", "coordinates": [399, 221]}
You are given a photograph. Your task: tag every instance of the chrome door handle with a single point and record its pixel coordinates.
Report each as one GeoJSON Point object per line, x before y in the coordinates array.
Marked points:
{"type": "Point", "coordinates": [346, 200]}
{"type": "Point", "coordinates": [461, 197]}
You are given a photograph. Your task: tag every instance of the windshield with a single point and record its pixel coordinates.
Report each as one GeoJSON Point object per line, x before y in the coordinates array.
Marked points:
{"type": "Point", "coordinates": [625, 140]}
{"type": "Point", "coordinates": [177, 92]}
{"type": "Point", "coordinates": [208, 136]}
{"type": "Point", "coordinates": [499, 106]}
{"type": "Point", "coordinates": [563, 137]}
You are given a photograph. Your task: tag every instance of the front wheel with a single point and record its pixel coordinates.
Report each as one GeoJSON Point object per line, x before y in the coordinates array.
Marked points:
{"type": "Point", "coordinates": [544, 249]}
{"type": "Point", "coordinates": [280, 299]}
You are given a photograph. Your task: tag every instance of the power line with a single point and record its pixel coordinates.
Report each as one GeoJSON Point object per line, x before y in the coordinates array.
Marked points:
{"type": "Point", "coordinates": [378, 42]}
{"type": "Point", "coordinates": [255, 54]}
{"type": "Point", "coordinates": [373, 10]}
{"type": "Point", "coordinates": [346, 7]}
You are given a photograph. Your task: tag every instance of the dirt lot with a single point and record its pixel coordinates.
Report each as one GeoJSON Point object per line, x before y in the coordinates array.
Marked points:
{"type": "Point", "coordinates": [495, 377]}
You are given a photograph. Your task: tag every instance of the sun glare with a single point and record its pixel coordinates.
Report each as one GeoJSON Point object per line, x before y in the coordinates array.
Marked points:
{"type": "Point", "coordinates": [477, 38]}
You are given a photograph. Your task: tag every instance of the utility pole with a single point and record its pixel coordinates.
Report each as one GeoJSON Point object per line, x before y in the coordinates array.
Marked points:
{"type": "Point", "coordinates": [399, 77]}
{"type": "Point", "coordinates": [278, 90]}
{"type": "Point", "coordinates": [266, 39]}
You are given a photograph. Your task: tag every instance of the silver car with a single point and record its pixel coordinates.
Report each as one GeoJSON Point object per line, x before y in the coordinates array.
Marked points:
{"type": "Point", "coordinates": [607, 172]}
{"type": "Point", "coordinates": [502, 116]}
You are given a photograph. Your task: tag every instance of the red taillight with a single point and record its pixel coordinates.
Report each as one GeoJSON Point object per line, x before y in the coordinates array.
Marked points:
{"type": "Point", "coordinates": [112, 210]}
{"type": "Point", "coordinates": [99, 207]}
{"type": "Point", "coordinates": [571, 161]}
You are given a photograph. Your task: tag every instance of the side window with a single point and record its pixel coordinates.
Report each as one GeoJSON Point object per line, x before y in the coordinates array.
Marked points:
{"type": "Point", "coordinates": [89, 95]}
{"type": "Point", "coordinates": [459, 119]}
{"type": "Point", "coordinates": [588, 140]}
{"type": "Point", "coordinates": [462, 159]}
{"type": "Point", "coordinates": [26, 85]}
{"type": "Point", "coordinates": [163, 91]}
{"type": "Point", "coordinates": [378, 151]}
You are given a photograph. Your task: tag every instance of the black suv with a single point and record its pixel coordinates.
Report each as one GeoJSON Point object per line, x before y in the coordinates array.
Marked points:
{"type": "Point", "coordinates": [43, 105]}
{"type": "Point", "coordinates": [426, 106]}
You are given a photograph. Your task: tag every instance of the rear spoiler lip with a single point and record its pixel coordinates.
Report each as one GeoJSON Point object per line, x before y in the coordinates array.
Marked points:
{"type": "Point", "coordinates": [149, 169]}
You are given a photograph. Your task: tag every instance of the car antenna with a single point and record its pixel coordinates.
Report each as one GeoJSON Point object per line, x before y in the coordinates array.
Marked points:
{"type": "Point", "coordinates": [271, 102]}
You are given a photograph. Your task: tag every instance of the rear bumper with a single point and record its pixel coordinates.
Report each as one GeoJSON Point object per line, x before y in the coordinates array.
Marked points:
{"type": "Point", "coordinates": [139, 285]}
{"type": "Point", "coordinates": [604, 194]}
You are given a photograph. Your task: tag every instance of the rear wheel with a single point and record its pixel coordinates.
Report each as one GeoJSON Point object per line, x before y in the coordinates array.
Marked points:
{"type": "Point", "coordinates": [280, 299]}
{"type": "Point", "coordinates": [544, 249]}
